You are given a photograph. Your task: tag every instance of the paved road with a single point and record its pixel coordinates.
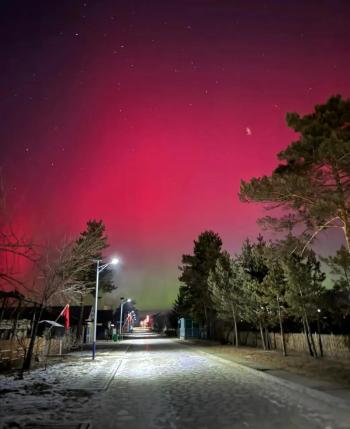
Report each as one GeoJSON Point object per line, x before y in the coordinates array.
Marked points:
{"type": "Point", "coordinates": [162, 383]}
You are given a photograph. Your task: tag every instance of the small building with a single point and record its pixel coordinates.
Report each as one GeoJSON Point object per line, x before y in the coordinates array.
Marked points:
{"type": "Point", "coordinates": [188, 328]}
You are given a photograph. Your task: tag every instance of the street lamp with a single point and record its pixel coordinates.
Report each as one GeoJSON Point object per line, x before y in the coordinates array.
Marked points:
{"type": "Point", "coordinates": [128, 319]}
{"type": "Point", "coordinates": [99, 269]}
{"type": "Point", "coordinates": [123, 301]}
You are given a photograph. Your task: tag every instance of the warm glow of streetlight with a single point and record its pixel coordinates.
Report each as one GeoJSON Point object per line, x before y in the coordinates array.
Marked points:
{"type": "Point", "coordinates": [115, 261]}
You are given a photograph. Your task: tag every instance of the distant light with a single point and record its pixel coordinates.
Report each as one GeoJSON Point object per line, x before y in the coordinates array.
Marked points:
{"type": "Point", "coordinates": [115, 261]}
{"type": "Point", "coordinates": [319, 310]}
{"type": "Point", "coordinates": [128, 300]}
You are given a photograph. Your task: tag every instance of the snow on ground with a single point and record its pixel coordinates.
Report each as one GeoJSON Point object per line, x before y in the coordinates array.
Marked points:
{"type": "Point", "coordinates": [56, 393]}
{"type": "Point", "coordinates": [159, 383]}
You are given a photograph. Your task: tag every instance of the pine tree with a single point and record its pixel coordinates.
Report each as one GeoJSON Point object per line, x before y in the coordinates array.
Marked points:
{"type": "Point", "coordinates": [194, 294]}
{"type": "Point", "coordinates": [340, 268]}
{"type": "Point", "coordinates": [226, 284]}
{"type": "Point", "coordinates": [275, 285]}
{"type": "Point", "coordinates": [95, 232]}
{"type": "Point", "coordinates": [253, 262]}
{"type": "Point", "coordinates": [305, 287]}
{"type": "Point", "coordinates": [313, 179]}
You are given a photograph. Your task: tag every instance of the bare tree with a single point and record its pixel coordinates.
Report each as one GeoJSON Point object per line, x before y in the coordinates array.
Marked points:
{"type": "Point", "coordinates": [13, 248]}
{"type": "Point", "coordinates": [60, 279]}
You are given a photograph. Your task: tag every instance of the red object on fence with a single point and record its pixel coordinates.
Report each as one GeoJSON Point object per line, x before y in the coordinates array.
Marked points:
{"type": "Point", "coordinates": [65, 314]}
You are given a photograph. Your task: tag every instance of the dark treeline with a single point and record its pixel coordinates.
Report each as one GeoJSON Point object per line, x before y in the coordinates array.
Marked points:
{"type": "Point", "coordinates": [267, 286]}
{"type": "Point", "coordinates": [280, 285]}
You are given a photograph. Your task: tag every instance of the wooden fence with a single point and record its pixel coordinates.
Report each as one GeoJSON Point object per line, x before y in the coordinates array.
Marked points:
{"type": "Point", "coordinates": [334, 346]}
{"type": "Point", "coordinates": [12, 351]}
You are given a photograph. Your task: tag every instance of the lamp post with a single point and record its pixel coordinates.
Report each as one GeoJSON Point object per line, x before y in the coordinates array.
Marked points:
{"type": "Point", "coordinates": [131, 321]}
{"type": "Point", "coordinates": [99, 269]}
{"type": "Point", "coordinates": [319, 332]}
{"type": "Point", "coordinates": [123, 301]}
{"type": "Point", "coordinates": [128, 319]}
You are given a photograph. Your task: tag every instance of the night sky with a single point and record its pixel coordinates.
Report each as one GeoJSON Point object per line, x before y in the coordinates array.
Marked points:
{"type": "Point", "coordinates": [147, 114]}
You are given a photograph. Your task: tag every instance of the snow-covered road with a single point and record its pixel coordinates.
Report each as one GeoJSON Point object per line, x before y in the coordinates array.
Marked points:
{"type": "Point", "coordinates": [159, 383]}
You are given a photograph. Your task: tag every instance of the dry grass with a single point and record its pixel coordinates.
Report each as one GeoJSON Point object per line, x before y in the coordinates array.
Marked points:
{"type": "Point", "coordinates": [337, 371]}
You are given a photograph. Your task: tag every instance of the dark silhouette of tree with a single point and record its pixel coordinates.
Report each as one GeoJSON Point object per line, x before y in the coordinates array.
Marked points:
{"type": "Point", "coordinates": [275, 287]}
{"type": "Point", "coordinates": [194, 296]}
{"type": "Point", "coordinates": [340, 268]}
{"type": "Point", "coordinates": [305, 287]}
{"type": "Point", "coordinates": [227, 283]}
{"type": "Point", "coordinates": [95, 231]}
{"type": "Point", "coordinates": [253, 261]}
{"type": "Point", "coordinates": [313, 178]}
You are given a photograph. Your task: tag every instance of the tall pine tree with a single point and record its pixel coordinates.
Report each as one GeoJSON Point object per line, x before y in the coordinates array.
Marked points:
{"type": "Point", "coordinates": [313, 178]}
{"type": "Point", "coordinates": [95, 231]}
{"type": "Point", "coordinates": [194, 294]}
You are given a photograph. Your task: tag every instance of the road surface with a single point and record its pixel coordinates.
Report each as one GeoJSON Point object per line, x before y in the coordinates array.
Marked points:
{"type": "Point", "coordinates": [162, 383]}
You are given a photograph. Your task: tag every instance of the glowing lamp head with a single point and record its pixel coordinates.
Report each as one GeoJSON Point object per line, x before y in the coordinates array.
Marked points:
{"type": "Point", "coordinates": [115, 261]}
{"type": "Point", "coordinates": [128, 300]}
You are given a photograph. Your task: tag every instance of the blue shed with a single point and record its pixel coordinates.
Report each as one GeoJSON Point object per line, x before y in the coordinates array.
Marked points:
{"type": "Point", "coordinates": [188, 328]}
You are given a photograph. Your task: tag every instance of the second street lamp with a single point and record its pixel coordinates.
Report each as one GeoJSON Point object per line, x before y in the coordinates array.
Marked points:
{"type": "Point", "coordinates": [123, 301]}
{"type": "Point", "coordinates": [99, 269]}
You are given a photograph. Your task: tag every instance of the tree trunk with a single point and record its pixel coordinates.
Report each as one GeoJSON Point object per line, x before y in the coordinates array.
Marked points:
{"type": "Point", "coordinates": [312, 343]}
{"type": "Point", "coordinates": [266, 338]}
{"type": "Point", "coordinates": [236, 334]}
{"type": "Point", "coordinates": [28, 357]}
{"type": "Point", "coordinates": [262, 336]}
{"type": "Point", "coordinates": [15, 321]}
{"type": "Point", "coordinates": [284, 351]}
{"type": "Point", "coordinates": [310, 337]}
{"type": "Point", "coordinates": [4, 302]}
{"type": "Point", "coordinates": [81, 316]}
{"type": "Point", "coordinates": [32, 322]}
{"type": "Point", "coordinates": [307, 337]}
{"type": "Point", "coordinates": [310, 340]}
{"type": "Point", "coordinates": [206, 320]}
{"type": "Point", "coordinates": [235, 325]}
{"type": "Point", "coordinates": [320, 345]}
